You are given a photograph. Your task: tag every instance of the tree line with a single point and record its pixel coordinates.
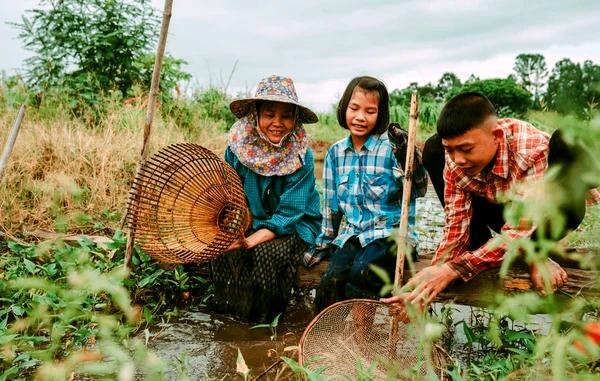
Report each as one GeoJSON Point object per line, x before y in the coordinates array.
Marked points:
{"type": "Point", "coordinates": [570, 88]}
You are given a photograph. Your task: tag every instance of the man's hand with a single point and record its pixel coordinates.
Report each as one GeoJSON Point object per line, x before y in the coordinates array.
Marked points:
{"type": "Point", "coordinates": [425, 286]}
{"type": "Point", "coordinates": [555, 274]}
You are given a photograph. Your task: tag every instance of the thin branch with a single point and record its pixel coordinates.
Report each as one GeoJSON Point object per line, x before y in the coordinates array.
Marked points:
{"type": "Point", "coordinates": [154, 86]}
{"type": "Point", "coordinates": [10, 142]}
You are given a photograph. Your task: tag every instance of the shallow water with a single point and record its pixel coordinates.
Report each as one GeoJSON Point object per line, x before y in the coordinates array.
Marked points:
{"type": "Point", "coordinates": [204, 345]}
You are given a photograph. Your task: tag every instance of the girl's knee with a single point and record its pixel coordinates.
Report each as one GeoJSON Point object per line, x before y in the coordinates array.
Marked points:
{"type": "Point", "coordinates": [359, 270]}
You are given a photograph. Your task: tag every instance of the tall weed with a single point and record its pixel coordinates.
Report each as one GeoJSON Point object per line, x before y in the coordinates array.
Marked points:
{"type": "Point", "coordinates": [61, 170]}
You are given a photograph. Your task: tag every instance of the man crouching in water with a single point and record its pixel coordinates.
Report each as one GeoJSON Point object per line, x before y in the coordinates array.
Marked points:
{"type": "Point", "coordinates": [474, 158]}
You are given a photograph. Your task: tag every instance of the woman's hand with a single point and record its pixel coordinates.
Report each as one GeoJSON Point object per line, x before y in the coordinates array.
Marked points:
{"type": "Point", "coordinates": [258, 237]}
{"type": "Point", "coordinates": [239, 243]}
{"type": "Point", "coordinates": [254, 239]}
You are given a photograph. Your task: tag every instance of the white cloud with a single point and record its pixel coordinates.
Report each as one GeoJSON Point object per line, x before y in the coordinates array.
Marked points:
{"type": "Point", "coordinates": [323, 44]}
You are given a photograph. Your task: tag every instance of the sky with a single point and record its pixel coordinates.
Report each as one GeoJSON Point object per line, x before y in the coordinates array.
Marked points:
{"type": "Point", "coordinates": [323, 44]}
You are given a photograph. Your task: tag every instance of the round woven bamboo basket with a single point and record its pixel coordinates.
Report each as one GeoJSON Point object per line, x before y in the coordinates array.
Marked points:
{"type": "Point", "coordinates": [360, 339]}
{"type": "Point", "coordinates": [187, 205]}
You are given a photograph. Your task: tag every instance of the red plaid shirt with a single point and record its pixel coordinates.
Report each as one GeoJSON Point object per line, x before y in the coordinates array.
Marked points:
{"type": "Point", "coordinates": [522, 155]}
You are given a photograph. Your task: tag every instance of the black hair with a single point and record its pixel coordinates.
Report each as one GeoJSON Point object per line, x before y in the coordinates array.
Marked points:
{"type": "Point", "coordinates": [462, 113]}
{"type": "Point", "coordinates": [368, 84]}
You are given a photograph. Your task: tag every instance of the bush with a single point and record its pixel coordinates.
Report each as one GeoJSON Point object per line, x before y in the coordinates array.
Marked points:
{"type": "Point", "coordinates": [93, 43]}
{"type": "Point", "coordinates": [214, 105]}
{"type": "Point", "coordinates": [71, 309]}
{"type": "Point", "coordinates": [509, 98]}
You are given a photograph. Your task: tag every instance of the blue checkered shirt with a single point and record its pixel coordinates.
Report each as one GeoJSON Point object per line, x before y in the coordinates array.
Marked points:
{"type": "Point", "coordinates": [364, 188]}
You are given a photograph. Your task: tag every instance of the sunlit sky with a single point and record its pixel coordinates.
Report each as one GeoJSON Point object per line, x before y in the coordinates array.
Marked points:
{"type": "Point", "coordinates": [323, 44]}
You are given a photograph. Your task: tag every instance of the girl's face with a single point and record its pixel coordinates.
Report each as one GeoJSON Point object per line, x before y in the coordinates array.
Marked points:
{"type": "Point", "coordinates": [362, 111]}
{"type": "Point", "coordinates": [276, 120]}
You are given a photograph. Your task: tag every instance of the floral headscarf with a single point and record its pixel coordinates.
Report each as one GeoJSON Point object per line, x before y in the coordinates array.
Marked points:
{"type": "Point", "coordinates": [260, 155]}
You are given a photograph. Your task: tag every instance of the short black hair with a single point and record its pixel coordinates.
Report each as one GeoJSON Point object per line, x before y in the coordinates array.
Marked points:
{"type": "Point", "coordinates": [462, 113]}
{"type": "Point", "coordinates": [368, 84]}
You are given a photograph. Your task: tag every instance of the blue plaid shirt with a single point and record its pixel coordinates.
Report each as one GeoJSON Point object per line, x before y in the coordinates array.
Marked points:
{"type": "Point", "coordinates": [366, 188]}
{"type": "Point", "coordinates": [283, 204]}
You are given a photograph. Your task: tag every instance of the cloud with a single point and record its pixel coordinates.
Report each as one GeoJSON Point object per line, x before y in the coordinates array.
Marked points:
{"type": "Point", "coordinates": [323, 44]}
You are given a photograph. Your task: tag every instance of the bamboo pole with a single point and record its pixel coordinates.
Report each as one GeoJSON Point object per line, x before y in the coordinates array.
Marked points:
{"type": "Point", "coordinates": [160, 52]}
{"type": "Point", "coordinates": [408, 173]}
{"type": "Point", "coordinates": [403, 229]}
{"type": "Point", "coordinates": [10, 142]}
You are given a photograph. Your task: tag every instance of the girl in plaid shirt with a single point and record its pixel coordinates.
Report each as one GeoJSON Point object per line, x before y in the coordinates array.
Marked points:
{"type": "Point", "coordinates": [362, 185]}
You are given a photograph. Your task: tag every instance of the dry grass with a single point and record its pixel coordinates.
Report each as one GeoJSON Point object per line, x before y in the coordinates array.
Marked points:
{"type": "Point", "coordinates": [63, 175]}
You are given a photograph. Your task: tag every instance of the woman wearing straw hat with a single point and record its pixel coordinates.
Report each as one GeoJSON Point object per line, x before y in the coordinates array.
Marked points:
{"type": "Point", "coordinates": [268, 148]}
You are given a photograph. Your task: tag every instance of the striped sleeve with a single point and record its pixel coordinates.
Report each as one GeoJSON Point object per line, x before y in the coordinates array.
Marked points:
{"type": "Point", "coordinates": [458, 211]}
{"type": "Point", "coordinates": [330, 208]}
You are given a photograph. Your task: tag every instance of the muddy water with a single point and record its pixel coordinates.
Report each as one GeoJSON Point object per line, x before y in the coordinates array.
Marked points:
{"type": "Point", "coordinates": [204, 345]}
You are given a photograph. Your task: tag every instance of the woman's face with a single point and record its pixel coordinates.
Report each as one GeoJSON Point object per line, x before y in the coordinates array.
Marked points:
{"type": "Point", "coordinates": [276, 120]}
{"type": "Point", "coordinates": [362, 111]}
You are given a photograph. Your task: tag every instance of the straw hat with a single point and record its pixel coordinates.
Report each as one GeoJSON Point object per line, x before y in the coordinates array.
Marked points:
{"type": "Point", "coordinates": [277, 89]}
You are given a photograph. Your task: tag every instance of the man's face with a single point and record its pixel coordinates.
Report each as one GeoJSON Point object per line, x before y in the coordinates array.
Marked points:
{"type": "Point", "coordinates": [476, 148]}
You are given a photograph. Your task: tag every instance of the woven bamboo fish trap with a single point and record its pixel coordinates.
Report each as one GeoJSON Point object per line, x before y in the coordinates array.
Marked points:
{"type": "Point", "coordinates": [187, 205]}
{"type": "Point", "coordinates": [351, 340]}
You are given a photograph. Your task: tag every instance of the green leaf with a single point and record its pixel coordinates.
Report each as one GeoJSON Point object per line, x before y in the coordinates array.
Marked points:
{"type": "Point", "coordinates": [471, 338]}
{"type": "Point", "coordinates": [51, 269]}
{"type": "Point", "coordinates": [381, 273]}
{"type": "Point", "coordinates": [17, 310]}
{"type": "Point", "coordinates": [15, 247]}
{"type": "Point", "coordinates": [148, 315]}
{"type": "Point", "coordinates": [30, 266]}
{"type": "Point", "coordinates": [261, 326]}
{"type": "Point", "coordinates": [275, 321]}
{"type": "Point", "coordinates": [151, 278]}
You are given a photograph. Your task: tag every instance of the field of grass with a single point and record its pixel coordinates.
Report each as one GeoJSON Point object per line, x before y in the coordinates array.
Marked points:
{"type": "Point", "coordinates": [66, 175]}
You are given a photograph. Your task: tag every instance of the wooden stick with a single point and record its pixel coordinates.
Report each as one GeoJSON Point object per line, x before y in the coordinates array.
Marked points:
{"type": "Point", "coordinates": [408, 173]}
{"type": "Point", "coordinates": [160, 52]}
{"type": "Point", "coordinates": [10, 142]}
{"type": "Point", "coordinates": [403, 229]}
